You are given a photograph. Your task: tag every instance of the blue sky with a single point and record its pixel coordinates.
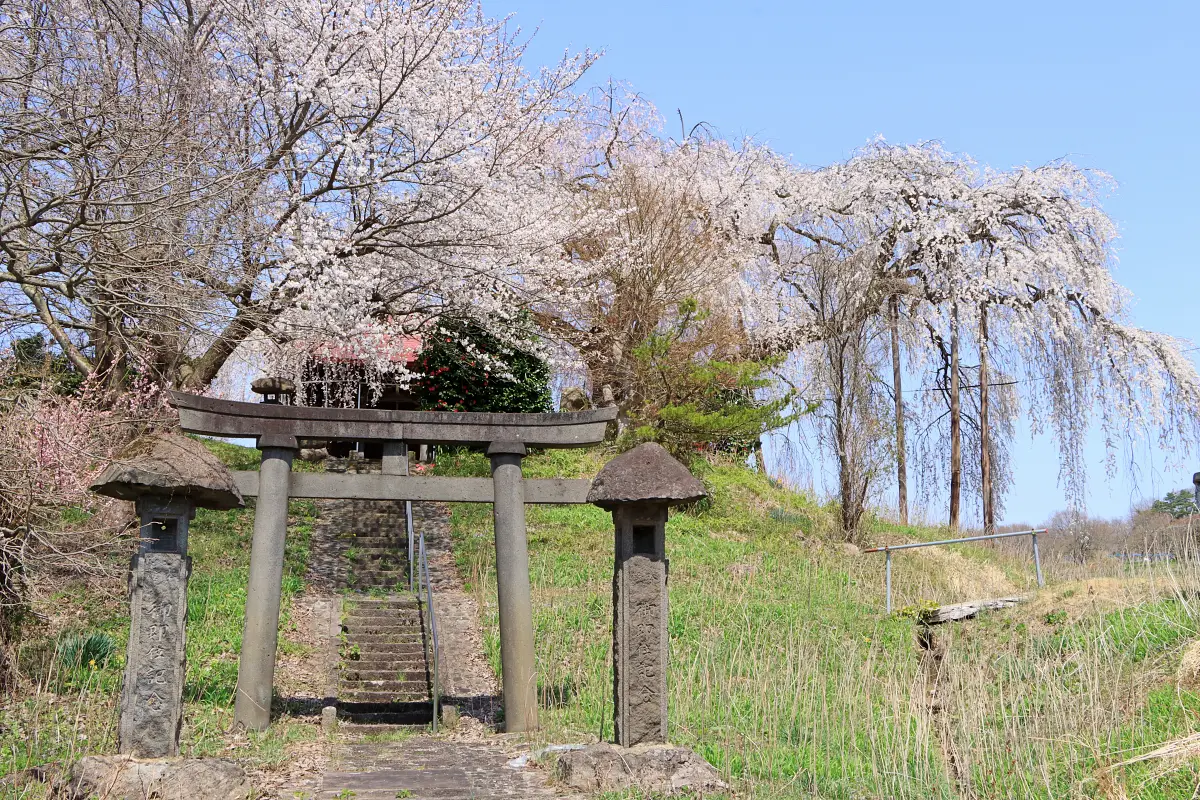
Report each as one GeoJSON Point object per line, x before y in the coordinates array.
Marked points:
{"type": "Point", "coordinates": [1112, 86]}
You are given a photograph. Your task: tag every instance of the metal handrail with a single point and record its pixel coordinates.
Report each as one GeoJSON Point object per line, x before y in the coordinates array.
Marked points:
{"type": "Point", "coordinates": [432, 632]}
{"type": "Point", "coordinates": [887, 551]}
{"type": "Point", "coordinates": [408, 520]}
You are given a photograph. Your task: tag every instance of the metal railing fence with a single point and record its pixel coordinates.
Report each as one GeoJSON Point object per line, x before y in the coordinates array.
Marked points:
{"type": "Point", "coordinates": [433, 633]}
{"type": "Point", "coordinates": [887, 550]}
{"type": "Point", "coordinates": [411, 554]}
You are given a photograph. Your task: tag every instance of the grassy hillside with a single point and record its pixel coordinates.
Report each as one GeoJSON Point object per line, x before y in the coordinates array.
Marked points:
{"type": "Point", "coordinates": [70, 707]}
{"type": "Point", "coordinates": [787, 675]}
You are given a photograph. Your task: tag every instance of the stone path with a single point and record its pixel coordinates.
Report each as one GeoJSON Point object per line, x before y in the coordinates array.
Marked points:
{"type": "Point", "coordinates": [382, 629]}
{"type": "Point", "coordinates": [429, 768]}
{"type": "Point", "coordinates": [467, 679]}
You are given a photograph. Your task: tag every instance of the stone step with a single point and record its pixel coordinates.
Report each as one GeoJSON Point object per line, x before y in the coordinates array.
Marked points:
{"type": "Point", "coordinates": [382, 626]}
{"type": "Point", "coordinates": [391, 688]}
{"type": "Point", "coordinates": [403, 614]}
{"type": "Point", "coordinates": [395, 637]}
{"type": "Point", "coordinates": [379, 562]}
{"type": "Point", "coordinates": [383, 698]}
{"type": "Point", "coordinates": [391, 603]}
{"type": "Point", "coordinates": [385, 657]}
{"type": "Point", "coordinates": [357, 607]}
{"type": "Point", "coordinates": [416, 714]}
{"type": "Point", "coordinates": [376, 580]}
{"type": "Point", "coordinates": [444, 779]}
{"type": "Point", "coordinates": [404, 649]}
{"type": "Point", "coordinates": [385, 578]}
{"type": "Point", "coordinates": [374, 728]}
{"type": "Point", "coordinates": [408, 617]}
{"type": "Point", "coordinates": [381, 641]}
{"type": "Point", "coordinates": [392, 623]}
{"type": "Point", "coordinates": [380, 663]}
{"type": "Point", "coordinates": [389, 559]}
{"type": "Point", "coordinates": [411, 647]}
{"type": "Point", "coordinates": [364, 633]}
{"type": "Point", "coordinates": [394, 610]}
{"type": "Point", "coordinates": [411, 672]}
{"type": "Point", "coordinates": [392, 651]}
{"type": "Point", "coordinates": [414, 648]}
{"type": "Point", "coordinates": [361, 615]}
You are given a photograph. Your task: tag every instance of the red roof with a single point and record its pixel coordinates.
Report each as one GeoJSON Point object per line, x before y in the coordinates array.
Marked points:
{"type": "Point", "coordinates": [397, 348]}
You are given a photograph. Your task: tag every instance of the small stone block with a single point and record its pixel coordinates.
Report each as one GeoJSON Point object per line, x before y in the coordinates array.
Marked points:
{"type": "Point", "coordinates": [449, 716]}
{"type": "Point", "coordinates": [329, 719]}
{"type": "Point", "coordinates": [116, 777]}
{"type": "Point", "coordinates": [658, 770]}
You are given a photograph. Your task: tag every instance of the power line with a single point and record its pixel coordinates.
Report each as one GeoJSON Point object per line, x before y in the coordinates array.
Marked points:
{"type": "Point", "coordinates": [1009, 383]}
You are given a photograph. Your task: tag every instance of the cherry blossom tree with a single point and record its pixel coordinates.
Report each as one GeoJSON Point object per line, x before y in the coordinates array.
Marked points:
{"type": "Point", "coordinates": [1014, 267]}
{"type": "Point", "coordinates": [663, 224]}
{"type": "Point", "coordinates": [178, 178]}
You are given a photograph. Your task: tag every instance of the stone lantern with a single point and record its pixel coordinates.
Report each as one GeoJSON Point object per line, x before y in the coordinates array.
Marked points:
{"type": "Point", "coordinates": [275, 391]}
{"type": "Point", "coordinates": [638, 487]}
{"type": "Point", "coordinates": [166, 476]}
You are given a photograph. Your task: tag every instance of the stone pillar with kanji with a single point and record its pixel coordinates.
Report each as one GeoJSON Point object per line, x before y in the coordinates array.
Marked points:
{"type": "Point", "coordinates": [166, 476]}
{"type": "Point", "coordinates": [638, 487]}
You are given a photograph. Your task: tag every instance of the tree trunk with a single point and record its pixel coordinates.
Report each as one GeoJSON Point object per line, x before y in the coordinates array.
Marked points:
{"type": "Point", "coordinates": [201, 372]}
{"type": "Point", "coordinates": [760, 460]}
{"type": "Point", "coordinates": [955, 426]}
{"type": "Point", "coordinates": [985, 434]}
{"type": "Point", "coordinates": [898, 389]}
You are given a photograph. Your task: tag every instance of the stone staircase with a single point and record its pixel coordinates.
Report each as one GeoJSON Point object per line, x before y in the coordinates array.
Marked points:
{"type": "Point", "coordinates": [376, 546]}
{"type": "Point", "coordinates": [384, 675]}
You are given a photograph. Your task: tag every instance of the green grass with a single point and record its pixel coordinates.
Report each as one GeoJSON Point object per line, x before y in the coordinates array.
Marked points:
{"type": "Point", "coordinates": [788, 677]}
{"type": "Point", "coordinates": [73, 712]}
{"type": "Point", "coordinates": [785, 672]}
{"type": "Point", "coordinates": [754, 648]}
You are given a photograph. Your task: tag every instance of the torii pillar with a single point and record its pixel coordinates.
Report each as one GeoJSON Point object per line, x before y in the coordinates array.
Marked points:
{"type": "Point", "coordinates": [512, 588]}
{"type": "Point", "coordinates": [264, 587]}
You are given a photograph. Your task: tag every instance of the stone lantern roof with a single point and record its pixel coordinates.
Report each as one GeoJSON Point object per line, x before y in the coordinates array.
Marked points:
{"type": "Point", "coordinates": [273, 385]}
{"type": "Point", "coordinates": [169, 465]}
{"type": "Point", "coordinates": [646, 474]}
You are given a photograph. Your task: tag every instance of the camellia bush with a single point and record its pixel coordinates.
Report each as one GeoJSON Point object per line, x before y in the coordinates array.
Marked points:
{"type": "Point", "coordinates": [462, 367]}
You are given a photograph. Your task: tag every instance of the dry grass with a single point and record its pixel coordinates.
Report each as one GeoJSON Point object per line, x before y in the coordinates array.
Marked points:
{"type": "Point", "coordinates": [787, 675]}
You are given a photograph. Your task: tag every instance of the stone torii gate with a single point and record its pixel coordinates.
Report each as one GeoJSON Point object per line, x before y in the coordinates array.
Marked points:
{"type": "Point", "coordinates": [278, 431]}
